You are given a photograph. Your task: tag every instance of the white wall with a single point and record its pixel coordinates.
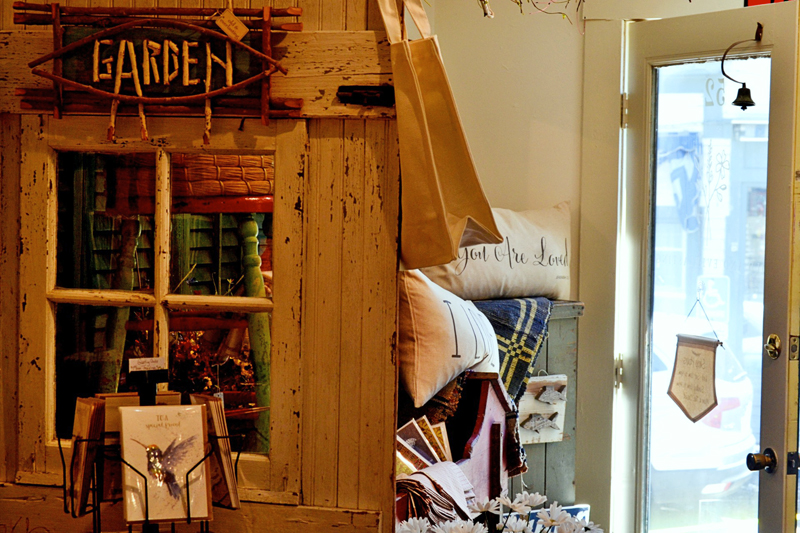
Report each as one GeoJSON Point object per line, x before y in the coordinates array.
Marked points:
{"type": "Point", "coordinates": [648, 9]}
{"type": "Point", "coordinates": [517, 81]}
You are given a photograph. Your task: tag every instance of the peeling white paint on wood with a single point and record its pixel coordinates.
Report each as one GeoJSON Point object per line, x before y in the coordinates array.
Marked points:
{"type": "Point", "coordinates": [317, 63]}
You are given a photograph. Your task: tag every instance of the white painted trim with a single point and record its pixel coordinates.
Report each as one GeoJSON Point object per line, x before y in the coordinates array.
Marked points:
{"type": "Point", "coordinates": [670, 41]}
{"type": "Point", "coordinates": [241, 304]}
{"type": "Point", "coordinates": [597, 269]}
{"type": "Point", "coordinates": [653, 9]}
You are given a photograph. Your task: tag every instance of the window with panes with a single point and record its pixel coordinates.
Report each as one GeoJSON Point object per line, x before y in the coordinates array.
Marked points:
{"type": "Point", "coordinates": [162, 251]}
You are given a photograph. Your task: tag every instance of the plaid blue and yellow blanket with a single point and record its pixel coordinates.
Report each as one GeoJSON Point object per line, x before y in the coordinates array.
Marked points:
{"type": "Point", "coordinates": [521, 328]}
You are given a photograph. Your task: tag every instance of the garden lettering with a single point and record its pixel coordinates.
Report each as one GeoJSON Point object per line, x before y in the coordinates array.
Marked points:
{"type": "Point", "coordinates": [544, 255]}
{"type": "Point", "coordinates": [161, 62]}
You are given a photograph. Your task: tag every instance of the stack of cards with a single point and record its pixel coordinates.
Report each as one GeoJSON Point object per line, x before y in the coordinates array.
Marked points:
{"type": "Point", "coordinates": [224, 490]}
{"type": "Point", "coordinates": [421, 444]}
{"type": "Point", "coordinates": [86, 435]}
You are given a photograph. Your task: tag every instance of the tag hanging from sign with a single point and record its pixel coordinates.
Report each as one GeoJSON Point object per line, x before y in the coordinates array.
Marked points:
{"type": "Point", "coordinates": [232, 26]}
{"type": "Point", "coordinates": [693, 385]}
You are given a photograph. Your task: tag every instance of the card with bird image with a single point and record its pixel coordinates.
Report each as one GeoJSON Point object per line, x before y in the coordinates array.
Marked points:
{"type": "Point", "coordinates": [165, 478]}
{"type": "Point", "coordinates": [542, 409]}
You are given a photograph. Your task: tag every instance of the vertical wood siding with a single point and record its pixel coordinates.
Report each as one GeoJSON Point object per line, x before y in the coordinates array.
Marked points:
{"type": "Point", "coordinates": [551, 466]}
{"type": "Point", "coordinates": [349, 297]}
{"type": "Point", "coordinates": [350, 215]}
{"type": "Point", "coordinates": [9, 289]}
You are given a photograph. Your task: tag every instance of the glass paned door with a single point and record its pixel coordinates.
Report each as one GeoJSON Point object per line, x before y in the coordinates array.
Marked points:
{"type": "Point", "coordinates": [709, 200]}
{"type": "Point", "coordinates": [707, 217]}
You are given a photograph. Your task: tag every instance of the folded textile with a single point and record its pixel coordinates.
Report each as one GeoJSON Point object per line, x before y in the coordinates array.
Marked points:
{"type": "Point", "coordinates": [438, 409]}
{"type": "Point", "coordinates": [516, 457]}
{"type": "Point", "coordinates": [440, 492]}
{"type": "Point", "coordinates": [521, 328]}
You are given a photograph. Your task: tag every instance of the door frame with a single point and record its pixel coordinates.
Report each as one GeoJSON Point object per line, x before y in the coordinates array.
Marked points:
{"type": "Point", "coordinates": [615, 234]}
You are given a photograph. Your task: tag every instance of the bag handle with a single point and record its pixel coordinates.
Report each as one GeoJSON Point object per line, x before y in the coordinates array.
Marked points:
{"type": "Point", "coordinates": [393, 24]}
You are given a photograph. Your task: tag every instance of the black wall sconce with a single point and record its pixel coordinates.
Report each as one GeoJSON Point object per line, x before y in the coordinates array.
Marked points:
{"type": "Point", "coordinates": [743, 98]}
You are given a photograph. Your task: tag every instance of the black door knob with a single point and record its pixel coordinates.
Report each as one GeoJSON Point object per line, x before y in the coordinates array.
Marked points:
{"type": "Point", "coordinates": [766, 461]}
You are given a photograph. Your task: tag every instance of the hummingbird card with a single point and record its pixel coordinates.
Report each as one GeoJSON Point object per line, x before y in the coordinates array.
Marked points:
{"type": "Point", "coordinates": [164, 443]}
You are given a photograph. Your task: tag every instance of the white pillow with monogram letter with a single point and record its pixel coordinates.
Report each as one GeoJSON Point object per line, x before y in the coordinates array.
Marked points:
{"type": "Point", "coordinates": [532, 260]}
{"type": "Point", "coordinates": [439, 337]}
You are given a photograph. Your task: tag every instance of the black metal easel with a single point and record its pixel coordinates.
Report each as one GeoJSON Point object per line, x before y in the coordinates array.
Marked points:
{"type": "Point", "coordinates": [94, 506]}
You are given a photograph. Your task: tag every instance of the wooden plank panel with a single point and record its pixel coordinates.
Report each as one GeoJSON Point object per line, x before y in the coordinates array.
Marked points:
{"type": "Point", "coordinates": [322, 330]}
{"type": "Point", "coordinates": [562, 358]}
{"type": "Point", "coordinates": [334, 14]}
{"type": "Point", "coordinates": [228, 135]}
{"type": "Point", "coordinates": [373, 346]}
{"type": "Point", "coordinates": [189, 3]}
{"type": "Point", "coordinates": [346, 53]}
{"type": "Point", "coordinates": [391, 236]}
{"type": "Point", "coordinates": [174, 3]}
{"type": "Point", "coordinates": [328, 320]}
{"type": "Point", "coordinates": [287, 249]}
{"type": "Point", "coordinates": [378, 373]}
{"type": "Point", "coordinates": [317, 63]}
{"type": "Point", "coordinates": [551, 466]}
{"type": "Point", "coordinates": [319, 95]}
{"type": "Point", "coordinates": [305, 519]}
{"type": "Point", "coordinates": [374, 20]}
{"type": "Point", "coordinates": [9, 289]}
{"type": "Point", "coordinates": [312, 14]}
{"type": "Point", "coordinates": [40, 509]}
{"type": "Point", "coordinates": [355, 15]}
{"type": "Point", "coordinates": [36, 335]}
{"type": "Point", "coordinates": [6, 17]}
{"type": "Point", "coordinates": [534, 478]}
{"type": "Point", "coordinates": [354, 281]}
{"type": "Point", "coordinates": [311, 283]}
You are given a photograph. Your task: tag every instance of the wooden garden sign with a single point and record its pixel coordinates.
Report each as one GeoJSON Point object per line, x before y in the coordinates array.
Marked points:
{"type": "Point", "coordinates": [692, 385]}
{"type": "Point", "coordinates": [132, 61]}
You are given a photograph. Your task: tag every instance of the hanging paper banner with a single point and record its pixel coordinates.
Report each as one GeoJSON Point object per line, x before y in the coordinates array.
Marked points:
{"type": "Point", "coordinates": [692, 386]}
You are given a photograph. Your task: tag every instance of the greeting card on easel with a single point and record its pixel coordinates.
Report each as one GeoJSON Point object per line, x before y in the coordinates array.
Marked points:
{"type": "Point", "coordinates": [164, 443]}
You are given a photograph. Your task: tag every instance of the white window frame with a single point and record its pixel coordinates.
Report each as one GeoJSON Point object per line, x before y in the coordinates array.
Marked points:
{"type": "Point", "coordinates": [273, 478]}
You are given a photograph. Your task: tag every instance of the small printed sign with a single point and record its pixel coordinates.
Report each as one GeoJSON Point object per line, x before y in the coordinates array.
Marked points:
{"type": "Point", "coordinates": [146, 363]}
{"type": "Point", "coordinates": [232, 26]}
{"type": "Point", "coordinates": [693, 386]}
{"type": "Point", "coordinates": [542, 409]}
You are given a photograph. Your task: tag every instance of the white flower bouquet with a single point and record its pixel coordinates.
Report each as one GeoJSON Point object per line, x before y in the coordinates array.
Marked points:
{"type": "Point", "coordinates": [520, 520]}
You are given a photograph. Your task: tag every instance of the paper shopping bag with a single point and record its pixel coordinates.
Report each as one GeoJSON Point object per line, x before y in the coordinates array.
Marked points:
{"type": "Point", "coordinates": [443, 203]}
